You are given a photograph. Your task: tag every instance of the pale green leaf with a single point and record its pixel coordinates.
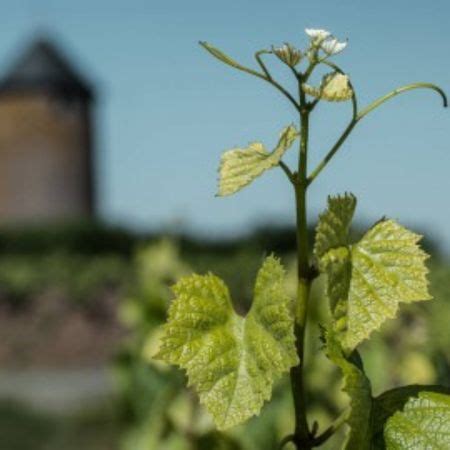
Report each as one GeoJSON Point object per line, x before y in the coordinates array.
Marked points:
{"type": "Point", "coordinates": [334, 223]}
{"type": "Point", "coordinates": [424, 424]}
{"type": "Point", "coordinates": [335, 87]}
{"type": "Point", "coordinates": [337, 264]}
{"type": "Point", "coordinates": [367, 416]}
{"type": "Point", "coordinates": [388, 267]}
{"type": "Point", "coordinates": [368, 280]}
{"type": "Point", "coordinates": [239, 167]}
{"type": "Point", "coordinates": [388, 403]}
{"type": "Point", "coordinates": [231, 361]}
{"type": "Point", "coordinates": [358, 388]}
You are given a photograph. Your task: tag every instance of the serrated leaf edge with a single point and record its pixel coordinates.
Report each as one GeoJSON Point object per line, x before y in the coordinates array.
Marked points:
{"type": "Point", "coordinates": [268, 161]}
{"type": "Point", "coordinates": [239, 326]}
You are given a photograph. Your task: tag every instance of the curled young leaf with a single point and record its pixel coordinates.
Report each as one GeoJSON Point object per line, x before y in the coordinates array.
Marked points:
{"type": "Point", "coordinates": [231, 361]}
{"type": "Point", "coordinates": [334, 224]}
{"type": "Point", "coordinates": [368, 280]}
{"type": "Point", "coordinates": [335, 87]}
{"type": "Point", "coordinates": [240, 166]}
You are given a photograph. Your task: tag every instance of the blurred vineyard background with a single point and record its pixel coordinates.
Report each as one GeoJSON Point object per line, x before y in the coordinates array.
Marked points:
{"type": "Point", "coordinates": [80, 311]}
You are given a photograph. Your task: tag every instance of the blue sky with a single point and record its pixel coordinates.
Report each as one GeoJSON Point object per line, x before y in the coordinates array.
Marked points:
{"type": "Point", "coordinates": [167, 109]}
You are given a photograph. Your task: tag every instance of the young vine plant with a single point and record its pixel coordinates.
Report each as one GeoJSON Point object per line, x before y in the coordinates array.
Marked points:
{"type": "Point", "coordinates": [232, 361]}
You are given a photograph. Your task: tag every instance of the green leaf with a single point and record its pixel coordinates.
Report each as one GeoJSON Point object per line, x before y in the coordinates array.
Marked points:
{"type": "Point", "coordinates": [367, 280]}
{"type": "Point", "coordinates": [335, 87]}
{"type": "Point", "coordinates": [388, 267]}
{"type": "Point", "coordinates": [359, 390]}
{"type": "Point", "coordinates": [239, 167]}
{"type": "Point", "coordinates": [367, 416]}
{"type": "Point", "coordinates": [388, 403]}
{"type": "Point", "coordinates": [334, 223]}
{"type": "Point", "coordinates": [231, 361]}
{"type": "Point", "coordinates": [424, 423]}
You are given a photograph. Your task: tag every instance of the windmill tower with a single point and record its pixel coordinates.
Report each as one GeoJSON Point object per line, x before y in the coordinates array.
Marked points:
{"type": "Point", "coordinates": [46, 151]}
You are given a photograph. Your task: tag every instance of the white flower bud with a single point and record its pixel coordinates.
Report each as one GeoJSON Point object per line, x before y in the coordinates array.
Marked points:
{"type": "Point", "coordinates": [332, 46]}
{"type": "Point", "coordinates": [317, 35]}
{"type": "Point", "coordinates": [288, 54]}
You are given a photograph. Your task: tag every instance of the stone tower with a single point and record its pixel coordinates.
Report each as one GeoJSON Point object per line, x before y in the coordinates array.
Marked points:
{"type": "Point", "coordinates": [46, 151]}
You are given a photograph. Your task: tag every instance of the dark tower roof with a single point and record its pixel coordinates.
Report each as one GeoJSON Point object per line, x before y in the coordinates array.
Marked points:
{"type": "Point", "coordinates": [42, 67]}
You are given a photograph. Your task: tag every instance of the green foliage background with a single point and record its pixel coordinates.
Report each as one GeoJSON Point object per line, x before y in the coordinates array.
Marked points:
{"type": "Point", "coordinates": [153, 409]}
{"type": "Point", "coordinates": [395, 357]}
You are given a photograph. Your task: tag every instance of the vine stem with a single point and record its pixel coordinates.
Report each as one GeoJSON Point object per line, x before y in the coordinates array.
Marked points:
{"type": "Point", "coordinates": [286, 441]}
{"type": "Point", "coordinates": [340, 420]}
{"type": "Point", "coordinates": [301, 437]}
{"type": "Point", "coordinates": [287, 171]}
